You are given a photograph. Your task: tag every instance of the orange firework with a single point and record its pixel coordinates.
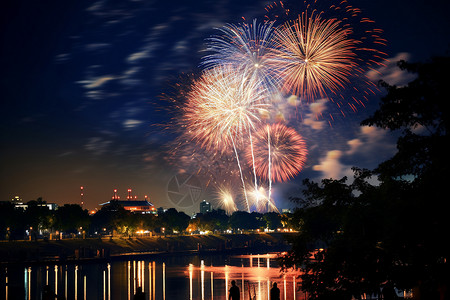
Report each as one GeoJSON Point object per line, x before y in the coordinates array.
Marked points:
{"type": "Point", "coordinates": [314, 55]}
{"type": "Point", "coordinates": [279, 151]}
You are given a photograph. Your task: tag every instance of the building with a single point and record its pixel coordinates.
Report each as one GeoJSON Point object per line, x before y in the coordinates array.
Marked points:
{"type": "Point", "coordinates": [205, 207]}
{"type": "Point", "coordinates": [131, 204]}
{"type": "Point", "coordinates": [18, 203]}
{"type": "Point", "coordinates": [139, 206]}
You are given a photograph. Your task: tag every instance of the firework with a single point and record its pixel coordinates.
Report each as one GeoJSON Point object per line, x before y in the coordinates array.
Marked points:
{"type": "Point", "coordinates": [247, 49]}
{"type": "Point", "coordinates": [261, 201]}
{"type": "Point", "coordinates": [279, 149]}
{"type": "Point", "coordinates": [221, 110]}
{"type": "Point", "coordinates": [249, 72]}
{"type": "Point", "coordinates": [226, 200]}
{"type": "Point", "coordinates": [314, 55]}
{"type": "Point", "coordinates": [324, 50]}
{"type": "Point", "coordinates": [222, 107]}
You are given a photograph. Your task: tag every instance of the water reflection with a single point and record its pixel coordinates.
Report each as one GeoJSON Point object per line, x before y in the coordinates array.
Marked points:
{"type": "Point", "coordinates": [181, 277]}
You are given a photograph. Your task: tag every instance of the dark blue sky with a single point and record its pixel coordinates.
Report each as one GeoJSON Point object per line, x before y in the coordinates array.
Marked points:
{"type": "Point", "coordinates": [80, 84]}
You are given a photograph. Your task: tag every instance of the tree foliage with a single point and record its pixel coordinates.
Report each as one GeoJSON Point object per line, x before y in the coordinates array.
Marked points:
{"type": "Point", "coordinates": [245, 221]}
{"type": "Point", "coordinates": [355, 237]}
{"type": "Point", "coordinates": [71, 217]}
{"type": "Point", "coordinates": [173, 220]}
{"type": "Point", "coordinates": [215, 220]}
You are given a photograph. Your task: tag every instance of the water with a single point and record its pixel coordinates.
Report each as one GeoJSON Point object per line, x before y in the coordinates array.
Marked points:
{"type": "Point", "coordinates": [175, 277]}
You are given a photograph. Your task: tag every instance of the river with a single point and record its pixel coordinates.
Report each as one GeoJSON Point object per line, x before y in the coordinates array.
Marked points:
{"type": "Point", "coordinates": [169, 277]}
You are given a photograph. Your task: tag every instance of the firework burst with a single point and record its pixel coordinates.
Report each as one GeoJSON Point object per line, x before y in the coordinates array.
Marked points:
{"type": "Point", "coordinates": [314, 56]}
{"type": "Point", "coordinates": [247, 49]}
{"type": "Point", "coordinates": [280, 152]}
{"type": "Point", "coordinates": [222, 107]}
{"type": "Point", "coordinates": [226, 200]}
{"type": "Point", "coordinates": [325, 50]}
{"type": "Point", "coordinates": [261, 201]}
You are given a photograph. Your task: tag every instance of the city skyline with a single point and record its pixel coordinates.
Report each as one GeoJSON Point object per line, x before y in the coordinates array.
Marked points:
{"type": "Point", "coordinates": [82, 87]}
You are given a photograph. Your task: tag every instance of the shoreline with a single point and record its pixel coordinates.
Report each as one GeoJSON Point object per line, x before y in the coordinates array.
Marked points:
{"type": "Point", "coordinates": [96, 249]}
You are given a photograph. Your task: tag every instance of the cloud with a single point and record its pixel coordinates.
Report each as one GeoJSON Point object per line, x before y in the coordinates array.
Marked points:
{"type": "Point", "coordinates": [150, 44]}
{"type": "Point", "coordinates": [368, 139]}
{"type": "Point", "coordinates": [354, 144]}
{"type": "Point", "coordinates": [141, 54]}
{"type": "Point", "coordinates": [64, 154]}
{"type": "Point", "coordinates": [96, 82]}
{"type": "Point", "coordinates": [369, 148]}
{"type": "Point", "coordinates": [316, 109]}
{"type": "Point", "coordinates": [96, 46]}
{"type": "Point", "coordinates": [97, 145]}
{"type": "Point", "coordinates": [130, 77]}
{"type": "Point", "coordinates": [97, 6]}
{"type": "Point", "coordinates": [181, 46]}
{"type": "Point", "coordinates": [331, 167]}
{"type": "Point", "coordinates": [391, 73]}
{"type": "Point", "coordinates": [131, 123]}
{"type": "Point", "coordinates": [95, 85]}
{"type": "Point", "coordinates": [63, 57]}
{"type": "Point", "coordinates": [374, 134]}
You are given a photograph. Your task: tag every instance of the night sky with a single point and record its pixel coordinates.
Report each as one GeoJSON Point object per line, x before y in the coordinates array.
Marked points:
{"type": "Point", "coordinates": [81, 85]}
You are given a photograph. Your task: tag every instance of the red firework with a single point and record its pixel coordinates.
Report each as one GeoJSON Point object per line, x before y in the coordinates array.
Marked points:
{"type": "Point", "coordinates": [279, 149]}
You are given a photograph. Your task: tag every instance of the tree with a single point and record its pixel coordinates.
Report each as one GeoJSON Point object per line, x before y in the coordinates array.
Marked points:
{"type": "Point", "coordinates": [245, 221]}
{"type": "Point", "coordinates": [355, 237]}
{"type": "Point", "coordinates": [211, 221]}
{"type": "Point", "coordinates": [38, 216]}
{"type": "Point", "coordinates": [272, 220]}
{"type": "Point", "coordinates": [173, 220]}
{"type": "Point", "coordinates": [71, 217]}
{"type": "Point", "coordinates": [112, 217]}
{"type": "Point", "coordinates": [149, 221]}
{"type": "Point", "coordinates": [12, 221]}
{"type": "Point", "coordinates": [421, 111]}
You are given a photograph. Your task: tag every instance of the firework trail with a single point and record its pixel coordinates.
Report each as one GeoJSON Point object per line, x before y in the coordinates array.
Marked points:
{"type": "Point", "coordinates": [247, 49]}
{"type": "Point", "coordinates": [222, 107]}
{"type": "Point", "coordinates": [253, 159]}
{"type": "Point", "coordinates": [269, 167]}
{"type": "Point", "coordinates": [242, 176]}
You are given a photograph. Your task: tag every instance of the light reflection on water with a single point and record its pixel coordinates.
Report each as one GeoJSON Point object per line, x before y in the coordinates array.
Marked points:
{"type": "Point", "coordinates": [176, 277]}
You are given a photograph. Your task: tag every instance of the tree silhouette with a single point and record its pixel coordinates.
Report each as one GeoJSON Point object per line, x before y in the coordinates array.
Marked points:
{"type": "Point", "coordinates": [71, 217]}
{"type": "Point", "coordinates": [355, 238]}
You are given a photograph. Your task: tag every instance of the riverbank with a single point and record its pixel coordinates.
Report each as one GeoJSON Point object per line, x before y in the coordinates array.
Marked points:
{"type": "Point", "coordinates": [96, 248]}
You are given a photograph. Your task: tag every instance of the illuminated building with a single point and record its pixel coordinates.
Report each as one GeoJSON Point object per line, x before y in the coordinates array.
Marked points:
{"type": "Point", "coordinates": [18, 203]}
{"type": "Point", "coordinates": [139, 206]}
{"type": "Point", "coordinates": [131, 204]}
{"type": "Point", "coordinates": [205, 207]}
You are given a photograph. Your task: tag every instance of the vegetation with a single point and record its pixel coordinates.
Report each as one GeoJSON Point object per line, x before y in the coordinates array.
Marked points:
{"type": "Point", "coordinates": [71, 220]}
{"type": "Point", "coordinates": [356, 236]}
